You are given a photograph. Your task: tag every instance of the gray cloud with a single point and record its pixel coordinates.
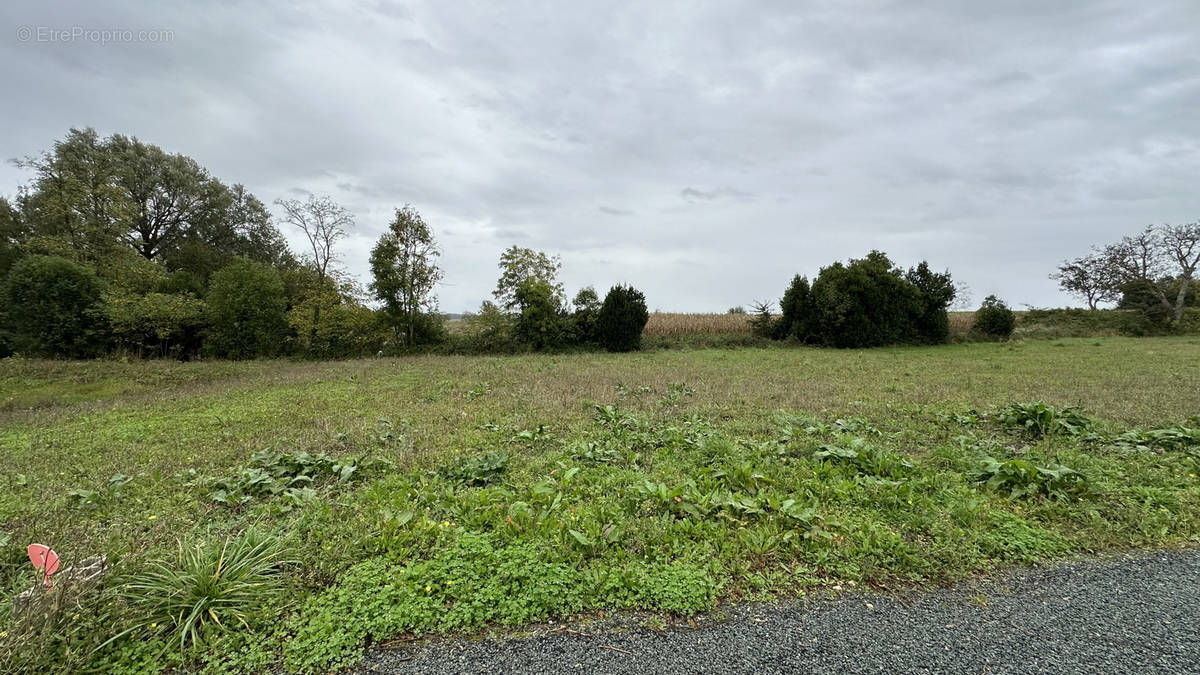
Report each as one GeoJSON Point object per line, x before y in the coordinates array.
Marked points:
{"type": "Point", "coordinates": [727, 146]}
{"type": "Point", "coordinates": [691, 194]}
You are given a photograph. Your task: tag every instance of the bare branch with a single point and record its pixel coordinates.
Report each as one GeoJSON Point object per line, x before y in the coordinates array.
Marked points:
{"type": "Point", "coordinates": [323, 222]}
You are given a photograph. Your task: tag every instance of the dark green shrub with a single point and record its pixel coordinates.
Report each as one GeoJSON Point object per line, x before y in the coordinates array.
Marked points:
{"type": "Point", "coordinates": [865, 303]}
{"type": "Point", "coordinates": [994, 320]}
{"type": "Point", "coordinates": [155, 324]}
{"type": "Point", "coordinates": [54, 307]}
{"type": "Point", "coordinates": [542, 323]}
{"type": "Point", "coordinates": [587, 311]}
{"type": "Point", "coordinates": [796, 311]}
{"type": "Point", "coordinates": [621, 320]}
{"type": "Point", "coordinates": [247, 311]}
{"type": "Point", "coordinates": [1142, 298]}
{"type": "Point", "coordinates": [936, 291]}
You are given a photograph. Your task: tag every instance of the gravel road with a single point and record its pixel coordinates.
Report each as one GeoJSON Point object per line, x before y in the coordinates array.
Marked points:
{"type": "Point", "coordinates": [1132, 613]}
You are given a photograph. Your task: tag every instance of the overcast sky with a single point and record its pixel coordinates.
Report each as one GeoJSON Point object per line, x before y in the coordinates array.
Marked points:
{"type": "Point", "coordinates": [704, 152]}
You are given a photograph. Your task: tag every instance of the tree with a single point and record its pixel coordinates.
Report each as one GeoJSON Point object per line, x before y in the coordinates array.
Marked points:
{"type": "Point", "coordinates": [156, 324]}
{"type": "Point", "coordinates": [936, 291]}
{"type": "Point", "coordinates": [520, 264]}
{"type": "Point", "coordinates": [404, 266]}
{"type": "Point", "coordinates": [73, 197]}
{"type": "Point", "coordinates": [622, 319]}
{"type": "Point", "coordinates": [865, 303]}
{"type": "Point", "coordinates": [166, 196]}
{"type": "Point", "coordinates": [54, 307]}
{"type": "Point", "coordinates": [796, 309]}
{"type": "Point", "coordinates": [1182, 244]}
{"type": "Point", "coordinates": [91, 196]}
{"type": "Point", "coordinates": [239, 225]}
{"type": "Point", "coordinates": [12, 235]}
{"type": "Point", "coordinates": [962, 297]}
{"type": "Point", "coordinates": [542, 322]}
{"type": "Point", "coordinates": [762, 320]}
{"type": "Point", "coordinates": [246, 307]}
{"type": "Point", "coordinates": [587, 310]}
{"type": "Point", "coordinates": [994, 319]}
{"type": "Point", "coordinates": [1157, 263]}
{"type": "Point", "coordinates": [1088, 277]}
{"type": "Point", "coordinates": [323, 223]}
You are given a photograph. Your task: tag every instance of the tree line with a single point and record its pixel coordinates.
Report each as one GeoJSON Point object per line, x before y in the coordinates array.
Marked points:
{"type": "Point", "coordinates": [116, 245]}
{"type": "Point", "coordinates": [1149, 273]}
{"type": "Point", "coordinates": [871, 302]}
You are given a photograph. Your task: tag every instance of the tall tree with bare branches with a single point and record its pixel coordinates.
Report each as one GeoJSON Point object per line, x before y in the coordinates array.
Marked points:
{"type": "Point", "coordinates": [1153, 261]}
{"type": "Point", "coordinates": [1182, 244]}
{"type": "Point", "coordinates": [1088, 277]}
{"type": "Point", "coordinates": [324, 222]}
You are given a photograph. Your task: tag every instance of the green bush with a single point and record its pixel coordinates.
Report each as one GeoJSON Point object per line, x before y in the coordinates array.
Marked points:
{"type": "Point", "coordinates": [156, 324]}
{"type": "Point", "coordinates": [796, 311]}
{"type": "Point", "coordinates": [346, 328]}
{"type": "Point", "coordinates": [936, 292]}
{"type": "Point", "coordinates": [488, 331]}
{"type": "Point", "coordinates": [621, 320]}
{"type": "Point", "coordinates": [865, 303]}
{"type": "Point", "coordinates": [542, 324]}
{"type": "Point", "coordinates": [247, 311]}
{"type": "Point", "coordinates": [54, 307]}
{"type": "Point", "coordinates": [583, 319]}
{"type": "Point", "coordinates": [994, 320]}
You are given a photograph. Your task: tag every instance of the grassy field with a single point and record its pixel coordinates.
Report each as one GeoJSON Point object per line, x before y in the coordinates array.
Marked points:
{"type": "Point", "coordinates": [446, 494]}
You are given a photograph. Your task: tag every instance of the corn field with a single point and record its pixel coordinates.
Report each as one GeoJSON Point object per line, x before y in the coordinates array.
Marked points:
{"type": "Point", "coordinates": [670, 323]}
{"type": "Point", "coordinates": [673, 323]}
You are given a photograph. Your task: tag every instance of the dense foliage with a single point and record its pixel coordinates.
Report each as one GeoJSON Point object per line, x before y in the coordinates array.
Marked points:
{"type": "Point", "coordinates": [1150, 272]}
{"type": "Point", "coordinates": [994, 320]}
{"type": "Point", "coordinates": [621, 319]}
{"type": "Point", "coordinates": [247, 311]}
{"type": "Point", "coordinates": [541, 321]}
{"type": "Point", "coordinates": [403, 264]}
{"type": "Point", "coordinates": [796, 311]}
{"type": "Point", "coordinates": [866, 302]}
{"type": "Point", "coordinates": [54, 307]}
{"type": "Point", "coordinates": [116, 246]}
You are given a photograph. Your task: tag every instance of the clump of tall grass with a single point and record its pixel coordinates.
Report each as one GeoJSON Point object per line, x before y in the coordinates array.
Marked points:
{"type": "Point", "coordinates": [206, 588]}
